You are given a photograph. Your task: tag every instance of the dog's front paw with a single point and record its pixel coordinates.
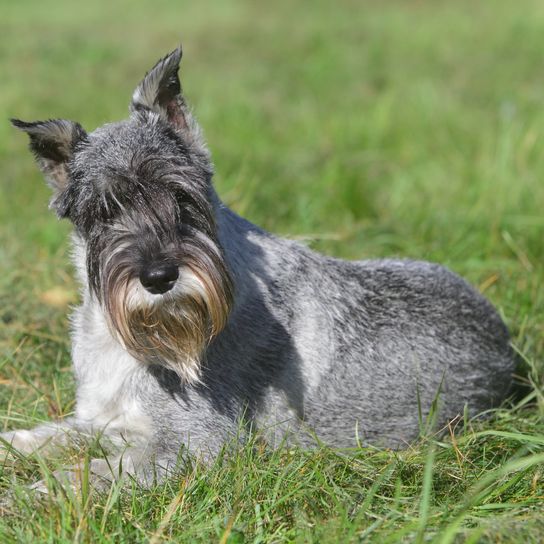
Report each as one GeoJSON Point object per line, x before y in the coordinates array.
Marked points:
{"type": "Point", "coordinates": [73, 481]}
{"type": "Point", "coordinates": [23, 441]}
{"type": "Point", "coordinates": [15, 445]}
{"type": "Point", "coordinates": [44, 439]}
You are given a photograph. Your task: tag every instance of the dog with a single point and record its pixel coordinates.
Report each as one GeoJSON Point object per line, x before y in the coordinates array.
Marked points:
{"type": "Point", "coordinates": [195, 323]}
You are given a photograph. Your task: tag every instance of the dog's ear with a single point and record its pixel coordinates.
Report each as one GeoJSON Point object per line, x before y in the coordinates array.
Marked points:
{"type": "Point", "coordinates": [160, 91]}
{"type": "Point", "coordinates": [52, 143]}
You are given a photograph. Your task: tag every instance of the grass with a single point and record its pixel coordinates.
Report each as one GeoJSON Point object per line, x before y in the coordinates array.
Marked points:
{"type": "Point", "coordinates": [404, 128]}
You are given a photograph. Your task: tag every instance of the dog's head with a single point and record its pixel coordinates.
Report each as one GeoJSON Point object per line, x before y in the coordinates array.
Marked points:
{"type": "Point", "coordinates": [139, 195]}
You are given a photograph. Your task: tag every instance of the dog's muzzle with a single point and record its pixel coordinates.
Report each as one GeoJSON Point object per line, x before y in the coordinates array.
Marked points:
{"type": "Point", "coordinates": [159, 278]}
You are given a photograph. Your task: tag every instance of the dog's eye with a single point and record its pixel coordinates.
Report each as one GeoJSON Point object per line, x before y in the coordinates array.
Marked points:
{"type": "Point", "coordinates": [182, 229]}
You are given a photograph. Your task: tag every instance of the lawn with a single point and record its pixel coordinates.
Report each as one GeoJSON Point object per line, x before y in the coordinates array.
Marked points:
{"type": "Point", "coordinates": [363, 128]}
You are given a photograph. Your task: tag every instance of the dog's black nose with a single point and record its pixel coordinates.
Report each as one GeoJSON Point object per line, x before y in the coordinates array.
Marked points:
{"type": "Point", "coordinates": [159, 279]}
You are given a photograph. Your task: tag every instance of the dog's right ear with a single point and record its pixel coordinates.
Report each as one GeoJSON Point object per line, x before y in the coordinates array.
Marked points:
{"type": "Point", "coordinates": [160, 91]}
{"type": "Point", "coordinates": [52, 143]}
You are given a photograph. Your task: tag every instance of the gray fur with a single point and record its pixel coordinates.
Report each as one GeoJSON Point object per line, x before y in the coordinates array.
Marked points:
{"type": "Point", "coordinates": [345, 349]}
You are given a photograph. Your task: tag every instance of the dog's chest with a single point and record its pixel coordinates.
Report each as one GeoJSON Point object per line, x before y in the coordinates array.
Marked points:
{"type": "Point", "coordinates": [108, 378]}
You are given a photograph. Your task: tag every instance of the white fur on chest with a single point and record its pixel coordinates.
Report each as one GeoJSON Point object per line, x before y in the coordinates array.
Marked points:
{"type": "Point", "coordinates": [108, 378]}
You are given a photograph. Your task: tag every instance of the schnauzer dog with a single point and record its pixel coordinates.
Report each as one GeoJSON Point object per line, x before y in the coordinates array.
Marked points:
{"type": "Point", "coordinates": [194, 320]}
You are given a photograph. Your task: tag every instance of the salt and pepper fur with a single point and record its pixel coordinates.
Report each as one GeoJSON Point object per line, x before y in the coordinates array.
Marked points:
{"type": "Point", "coordinates": [258, 329]}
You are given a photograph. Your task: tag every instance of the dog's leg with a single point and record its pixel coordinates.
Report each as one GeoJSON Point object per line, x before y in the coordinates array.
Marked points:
{"type": "Point", "coordinates": [44, 438]}
{"type": "Point", "coordinates": [139, 464]}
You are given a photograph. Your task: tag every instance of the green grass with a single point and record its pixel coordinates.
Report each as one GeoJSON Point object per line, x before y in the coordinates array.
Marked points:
{"type": "Point", "coordinates": [397, 128]}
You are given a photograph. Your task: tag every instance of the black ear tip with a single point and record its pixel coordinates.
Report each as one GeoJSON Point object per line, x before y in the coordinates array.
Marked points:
{"type": "Point", "coordinates": [177, 53]}
{"type": "Point", "coordinates": [17, 123]}
{"type": "Point", "coordinates": [173, 59]}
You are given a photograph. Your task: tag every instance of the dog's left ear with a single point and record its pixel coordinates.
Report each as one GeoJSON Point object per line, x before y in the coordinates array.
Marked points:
{"type": "Point", "coordinates": [160, 91]}
{"type": "Point", "coordinates": [52, 142]}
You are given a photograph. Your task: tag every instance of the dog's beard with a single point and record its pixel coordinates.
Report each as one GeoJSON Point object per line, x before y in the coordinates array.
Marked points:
{"type": "Point", "coordinates": [171, 330]}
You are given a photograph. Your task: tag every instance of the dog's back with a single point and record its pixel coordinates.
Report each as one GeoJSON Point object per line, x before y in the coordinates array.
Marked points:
{"type": "Point", "coordinates": [360, 347]}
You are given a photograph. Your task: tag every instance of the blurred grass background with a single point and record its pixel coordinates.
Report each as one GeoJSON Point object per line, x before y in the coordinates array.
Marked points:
{"type": "Point", "coordinates": [365, 128]}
